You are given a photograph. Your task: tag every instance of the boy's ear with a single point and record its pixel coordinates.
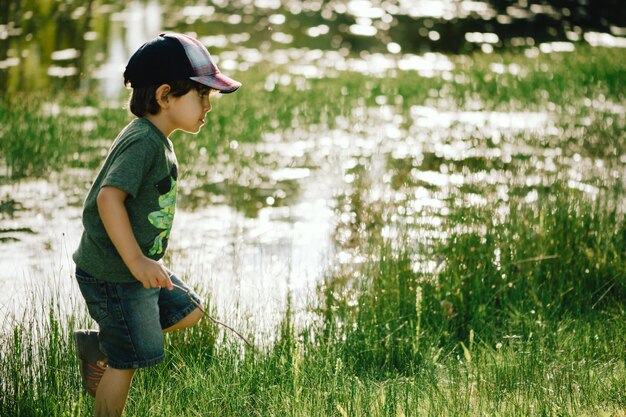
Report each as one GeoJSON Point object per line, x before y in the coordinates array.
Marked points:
{"type": "Point", "coordinates": [162, 95]}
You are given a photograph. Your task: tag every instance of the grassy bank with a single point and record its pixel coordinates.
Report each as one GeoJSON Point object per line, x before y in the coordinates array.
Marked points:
{"type": "Point", "coordinates": [40, 133]}
{"type": "Point", "coordinates": [525, 318]}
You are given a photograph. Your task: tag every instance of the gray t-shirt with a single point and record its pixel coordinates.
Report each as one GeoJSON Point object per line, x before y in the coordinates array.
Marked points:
{"type": "Point", "coordinates": [141, 162]}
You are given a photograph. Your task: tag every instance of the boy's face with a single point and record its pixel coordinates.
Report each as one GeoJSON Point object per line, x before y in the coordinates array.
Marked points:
{"type": "Point", "coordinates": [188, 112]}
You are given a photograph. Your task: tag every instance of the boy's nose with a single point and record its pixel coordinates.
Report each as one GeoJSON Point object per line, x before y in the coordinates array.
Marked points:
{"type": "Point", "coordinates": [207, 106]}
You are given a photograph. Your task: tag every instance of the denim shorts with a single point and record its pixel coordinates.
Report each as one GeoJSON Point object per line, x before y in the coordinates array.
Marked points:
{"type": "Point", "coordinates": [132, 318]}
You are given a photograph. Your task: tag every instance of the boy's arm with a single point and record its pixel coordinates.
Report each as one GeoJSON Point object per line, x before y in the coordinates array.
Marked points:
{"type": "Point", "coordinates": [114, 216]}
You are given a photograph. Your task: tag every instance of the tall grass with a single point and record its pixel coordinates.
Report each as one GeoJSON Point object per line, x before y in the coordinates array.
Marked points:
{"type": "Point", "coordinates": [548, 339]}
{"type": "Point", "coordinates": [560, 259]}
{"type": "Point", "coordinates": [563, 256]}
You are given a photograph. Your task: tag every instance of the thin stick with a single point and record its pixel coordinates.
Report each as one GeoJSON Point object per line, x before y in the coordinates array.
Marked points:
{"type": "Point", "coordinates": [602, 296]}
{"type": "Point", "coordinates": [211, 318]}
{"type": "Point", "coordinates": [538, 258]}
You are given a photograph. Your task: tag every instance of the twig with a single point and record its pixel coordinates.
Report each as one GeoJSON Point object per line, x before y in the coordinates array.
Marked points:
{"type": "Point", "coordinates": [602, 296]}
{"type": "Point", "coordinates": [211, 318]}
{"type": "Point", "coordinates": [538, 258]}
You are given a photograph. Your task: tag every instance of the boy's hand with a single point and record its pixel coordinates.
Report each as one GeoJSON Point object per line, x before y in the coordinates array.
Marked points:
{"type": "Point", "coordinates": [150, 273]}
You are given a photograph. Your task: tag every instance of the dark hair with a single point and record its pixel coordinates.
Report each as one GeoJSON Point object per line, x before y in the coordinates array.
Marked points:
{"type": "Point", "coordinates": [143, 100]}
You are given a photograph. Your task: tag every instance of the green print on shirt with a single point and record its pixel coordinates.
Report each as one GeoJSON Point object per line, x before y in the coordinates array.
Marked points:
{"type": "Point", "coordinates": [163, 219]}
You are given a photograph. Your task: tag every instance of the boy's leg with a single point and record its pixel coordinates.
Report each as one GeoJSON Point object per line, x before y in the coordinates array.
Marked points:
{"type": "Point", "coordinates": [178, 309]}
{"type": "Point", "coordinates": [130, 335]}
{"type": "Point", "coordinates": [115, 384]}
{"type": "Point", "coordinates": [189, 320]}
{"type": "Point", "coordinates": [112, 389]}
{"type": "Point", "coordinates": [112, 392]}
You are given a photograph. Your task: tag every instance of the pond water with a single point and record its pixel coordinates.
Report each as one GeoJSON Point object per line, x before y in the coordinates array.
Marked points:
{"type": "Point", "coordinates": [300, 182]}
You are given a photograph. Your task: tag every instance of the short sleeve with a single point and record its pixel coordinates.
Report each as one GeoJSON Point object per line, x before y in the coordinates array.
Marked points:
{"type": "Point", "coordinates": [130, 165]}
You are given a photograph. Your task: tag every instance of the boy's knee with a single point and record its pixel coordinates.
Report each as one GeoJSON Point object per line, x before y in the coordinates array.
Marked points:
{"type": "Point", "coordinates": [196, 315]}
{"type": "Point", "coordinates": [189, 320]}
{"type": "Point", "coordinates": [120, 375]}
{"type": "Point", "coordinates": [193, 317]}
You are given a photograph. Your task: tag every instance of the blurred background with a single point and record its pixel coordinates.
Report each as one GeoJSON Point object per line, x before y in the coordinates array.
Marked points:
{"type": "Point", "coordinates": [79, 44]}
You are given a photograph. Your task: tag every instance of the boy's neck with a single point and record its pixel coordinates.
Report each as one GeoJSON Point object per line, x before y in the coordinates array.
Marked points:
{"type": "Point", "coordinates": [161, 123]}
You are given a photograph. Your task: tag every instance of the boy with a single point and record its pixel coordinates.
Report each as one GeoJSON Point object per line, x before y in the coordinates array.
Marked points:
{"type": "Point", "coordinates": [127, 217]}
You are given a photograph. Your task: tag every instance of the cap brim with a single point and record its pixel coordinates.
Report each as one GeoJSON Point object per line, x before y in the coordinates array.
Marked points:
{"type": "Point", "coordinates": [219, 82]}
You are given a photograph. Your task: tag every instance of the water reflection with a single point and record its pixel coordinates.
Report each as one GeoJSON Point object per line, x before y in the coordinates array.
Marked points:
{"type": "Point", "coordinates": [269, 219]}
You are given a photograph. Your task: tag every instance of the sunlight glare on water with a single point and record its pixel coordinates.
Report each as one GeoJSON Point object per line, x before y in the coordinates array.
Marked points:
{"type": "Point", "coordinates": [429, 117]}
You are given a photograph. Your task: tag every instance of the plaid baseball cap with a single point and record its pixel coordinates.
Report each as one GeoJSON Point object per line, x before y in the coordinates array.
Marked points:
{"type": "Point", "coordinates": [174, 56]}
